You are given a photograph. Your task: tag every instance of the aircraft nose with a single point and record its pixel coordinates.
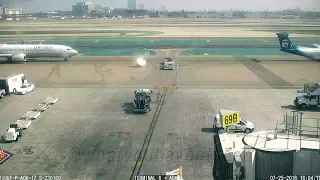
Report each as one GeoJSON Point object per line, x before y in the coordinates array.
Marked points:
{"type": "Point", "coordinates": [74, 52]}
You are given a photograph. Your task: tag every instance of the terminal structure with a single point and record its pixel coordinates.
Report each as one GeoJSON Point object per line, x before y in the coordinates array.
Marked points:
{"type": "Point", "coordinates": [293, 148]}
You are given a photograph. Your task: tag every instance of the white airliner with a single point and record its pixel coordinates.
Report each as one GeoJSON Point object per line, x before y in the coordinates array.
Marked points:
{"type": "Point", "coordinates": [287, 46]}
{"type": "Point", "coordinates": [20, 52]}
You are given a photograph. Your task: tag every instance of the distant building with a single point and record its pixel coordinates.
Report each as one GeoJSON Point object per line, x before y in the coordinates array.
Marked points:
{"type": "Point", "coordinates": [82, 8]}
{"type": "Point", "coordinates": [141, 6]}
{"type": "Point", "coordinates": [98, 8]}
{"type": "Point", "coordinates": [12, 13]}
{"type": "Point", "coordinates": [132, 4]}
{"type": "Point", "coordinates": [90, 6]}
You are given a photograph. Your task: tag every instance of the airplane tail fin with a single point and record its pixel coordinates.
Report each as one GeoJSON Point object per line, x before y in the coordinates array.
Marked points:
{"type": "Point", "coordinates": [285, 43]}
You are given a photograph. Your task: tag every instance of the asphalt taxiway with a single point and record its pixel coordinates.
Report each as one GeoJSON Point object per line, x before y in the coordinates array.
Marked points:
{"type": "Point", "coordinates": [91, 132]}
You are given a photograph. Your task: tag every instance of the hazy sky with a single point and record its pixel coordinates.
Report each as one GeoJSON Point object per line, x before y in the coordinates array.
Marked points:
{"type": "Point", "coordinates": [50, 5]}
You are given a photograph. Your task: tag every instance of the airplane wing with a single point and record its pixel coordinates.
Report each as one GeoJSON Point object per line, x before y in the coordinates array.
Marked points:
{"type": "Point", "coordinates": [317, 45]}
{"type": "Point", "coordinates": [6, 55]}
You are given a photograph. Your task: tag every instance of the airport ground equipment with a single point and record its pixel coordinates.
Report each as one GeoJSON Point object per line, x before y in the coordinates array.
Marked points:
{"type": "Point", "coordinates": [23, 123]}
{"type": "Point", "coordinates": [41, 107]}
{"type": "Point", "coordinates": [13, 133]}
{"type": "Point", "coordinates": [12, 83]}
{"type": "Point", "coordinates": [308, 97]}
{"type": "Point", "coordinates": [45, 104]}
{"type": "Point", "coordinates": [51, 100]}
{"type": "Point", "coordinates": [26, 88]}
{"type": "Point", "coordinates": [177, 173]}
{"type": "Point", "coordinates": [31, 115]}
{"type": "Point", "coordinates": [168, 63]}
{"type": "Point", "coordinates": [2, 93]}
{"type": "Point", "coordinates": [142, 100]}
{"type": "Point", "coordinates": [231, 120]}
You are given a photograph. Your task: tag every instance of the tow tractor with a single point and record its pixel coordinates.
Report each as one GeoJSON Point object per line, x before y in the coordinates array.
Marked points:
{"type": "Point", "coordinates": [13, 133]}
{"type": "Point", "coordinates": [142, 100]}
{"type": "Point", "coordinates": [308, 97]}
{"type": "Point", "coordinates": [168, 63]}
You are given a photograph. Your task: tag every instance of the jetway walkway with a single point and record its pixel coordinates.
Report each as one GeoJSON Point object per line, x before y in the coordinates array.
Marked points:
{"type": "Point", "coordinates": [293, 149]}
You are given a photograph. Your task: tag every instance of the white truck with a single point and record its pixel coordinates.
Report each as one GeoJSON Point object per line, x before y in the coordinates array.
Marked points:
{"type": "Point", "coordinates": [168, 63]}
{"type": "Point", "coordinates": [308, 97]}
{"type": "Point", "coordinates": [13, 133]}
{"type": "Point", "coordinates": [244, 125]}
{"type": "Point", "coordinates": [2, 93]}
{"type": "Point", "coordinates": [12, 83]}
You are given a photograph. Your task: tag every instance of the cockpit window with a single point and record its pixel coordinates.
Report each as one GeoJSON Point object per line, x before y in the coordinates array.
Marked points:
{"type": "Point", "coordinates": [68, 49]}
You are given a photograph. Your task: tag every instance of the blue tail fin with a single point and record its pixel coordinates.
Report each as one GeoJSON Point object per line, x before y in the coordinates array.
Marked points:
{"type": "Point", "coordinates": [285, 43]}
{"type": "Point", "coordinates": [287, 46]}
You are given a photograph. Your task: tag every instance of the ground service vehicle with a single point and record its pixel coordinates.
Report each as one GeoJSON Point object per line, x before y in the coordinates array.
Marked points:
{"type": "Point", "coordinates": [13, 133]}
{"type": "Point", "coordinates": [2, 93]}
{"type": "Point", "coordinates": [308, 97]}
{"type": "Point", "coordinates": [25, 88]}
{"type": "Point", "coordinates": [168, 63]}
{"type": "Point", "coordinates": [243, 126]}
{"type": "Point", "coordinates": [12, 83]}
{"type": "Point", "coordinates": [142, 100]}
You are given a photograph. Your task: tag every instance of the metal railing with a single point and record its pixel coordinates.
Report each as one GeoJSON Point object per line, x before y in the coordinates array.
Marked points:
{"type": "Point", "coordinates": [305, 129]}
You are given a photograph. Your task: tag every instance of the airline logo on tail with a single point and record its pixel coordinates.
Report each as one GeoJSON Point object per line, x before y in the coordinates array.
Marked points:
{"type": "Point", "coordinates": [285, 42]}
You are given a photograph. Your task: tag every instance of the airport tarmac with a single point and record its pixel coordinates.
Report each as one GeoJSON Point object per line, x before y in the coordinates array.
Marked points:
{"type": "Point", "coordinates": [91, 132]}
{"type": "Point", "coordinates": [214, 71]}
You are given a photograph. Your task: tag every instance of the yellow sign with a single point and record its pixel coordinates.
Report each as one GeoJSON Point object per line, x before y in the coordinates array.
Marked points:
{"type": "Point", "coordinates": [231, 119]}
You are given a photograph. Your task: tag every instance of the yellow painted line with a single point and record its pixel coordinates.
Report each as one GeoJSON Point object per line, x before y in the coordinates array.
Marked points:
{"type": "Point", "coordinates": [143, 151]}
{"type": "Point", "coordinates": [265, 41]}
{"type": "Point", "coordinates": [208, 40]}
{"type": "Point", "coordinates": [96, 41]}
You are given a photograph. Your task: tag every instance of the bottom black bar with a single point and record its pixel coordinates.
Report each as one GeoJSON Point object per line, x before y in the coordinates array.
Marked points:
{"type": "Point", "coordinates": [154, 177]}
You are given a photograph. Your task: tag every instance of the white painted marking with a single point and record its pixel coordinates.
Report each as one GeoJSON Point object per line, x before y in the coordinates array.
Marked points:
{"type": "Point", "coordinates": [265, 41]}
{"type": "Point", "coordinates": [145, 75]}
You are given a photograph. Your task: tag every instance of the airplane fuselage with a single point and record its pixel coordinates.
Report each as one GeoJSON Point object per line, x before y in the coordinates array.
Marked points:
{"type": "Point", "coordinates": [37, 51]}
{"type": "Point", "coordinates": [313, 53]}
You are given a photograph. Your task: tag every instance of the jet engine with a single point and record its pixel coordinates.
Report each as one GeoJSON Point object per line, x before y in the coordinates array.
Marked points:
{"type": "Point", "coordinates": [19, 57]}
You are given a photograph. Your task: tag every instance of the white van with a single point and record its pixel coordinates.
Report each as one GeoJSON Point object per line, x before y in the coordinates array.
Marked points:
{"type": "Point", "coordinates": [12, 83]}
{"type": "Point", "coordinates": [244, 125]}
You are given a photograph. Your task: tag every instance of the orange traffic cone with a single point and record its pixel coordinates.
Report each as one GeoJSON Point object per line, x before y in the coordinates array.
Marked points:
{"type": "Point", "coordinates": [1, 154]}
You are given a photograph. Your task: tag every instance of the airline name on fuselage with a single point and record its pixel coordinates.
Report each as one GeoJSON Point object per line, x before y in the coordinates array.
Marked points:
{"type": "Point", "coordinates": [43, 47]}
